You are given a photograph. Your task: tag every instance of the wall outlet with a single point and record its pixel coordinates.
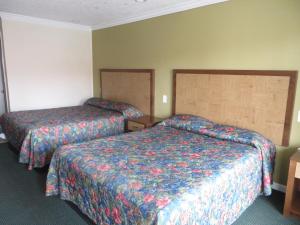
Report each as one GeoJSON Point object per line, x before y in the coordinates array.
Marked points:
{"type": "Point", "coordinates": [298, 116]}
{"type": "Point", "coordinates": [165, 99]}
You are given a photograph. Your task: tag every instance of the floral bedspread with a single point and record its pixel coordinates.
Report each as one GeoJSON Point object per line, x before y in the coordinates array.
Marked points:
{"type": "Point", "coordinates": [165, 175]}
{"type": "Point", "coordinates": [37, 133]}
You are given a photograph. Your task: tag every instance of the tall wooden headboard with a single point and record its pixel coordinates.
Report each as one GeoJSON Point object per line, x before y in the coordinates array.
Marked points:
{"type": "Point", "coordinates": [258, 100]}
{"type": "Point", "coordinates": [133, 86]}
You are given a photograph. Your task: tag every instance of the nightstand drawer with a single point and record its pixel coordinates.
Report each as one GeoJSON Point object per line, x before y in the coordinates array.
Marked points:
{"type": "Point", "coordinates": [297, 173]}
{"type": "Point", "coordinates": [134, 126]}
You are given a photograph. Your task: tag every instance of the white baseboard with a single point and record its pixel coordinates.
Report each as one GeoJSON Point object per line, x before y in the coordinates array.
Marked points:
{"type": "Point", "coordinates": [279, 187]}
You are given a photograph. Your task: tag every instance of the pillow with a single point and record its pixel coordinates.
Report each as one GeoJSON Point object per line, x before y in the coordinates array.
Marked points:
{"type": "Point", "coordinates": [231, 132]}
{"type": "Point", "coordinates": [188, 122]}
{"type": "Point", "coordinates": [127, 110]}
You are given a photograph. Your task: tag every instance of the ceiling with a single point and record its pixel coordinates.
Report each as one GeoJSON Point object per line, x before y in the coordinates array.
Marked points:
{"type": "Point", "coordinates": [98, 13]}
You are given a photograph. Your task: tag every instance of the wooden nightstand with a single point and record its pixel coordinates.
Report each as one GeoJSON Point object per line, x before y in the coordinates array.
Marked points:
{"type": "Point", "coordinates": [142, 123]}
{"type": "Point", "coordinates": [292, 195]}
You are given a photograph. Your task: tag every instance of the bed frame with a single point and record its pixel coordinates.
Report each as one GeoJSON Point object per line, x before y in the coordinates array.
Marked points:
{"type": "Point", "coordinates": [133, 86]}
{"type": "Point", "coordinates": [258, 100]}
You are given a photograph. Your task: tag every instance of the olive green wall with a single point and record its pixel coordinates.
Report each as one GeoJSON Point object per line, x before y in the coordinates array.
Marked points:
{"type": "Point", "coordinates": [238, 34]}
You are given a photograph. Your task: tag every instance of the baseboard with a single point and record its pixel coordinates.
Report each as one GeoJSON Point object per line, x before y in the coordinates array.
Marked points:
{"type": "Point", "coordinates": [279, 187]}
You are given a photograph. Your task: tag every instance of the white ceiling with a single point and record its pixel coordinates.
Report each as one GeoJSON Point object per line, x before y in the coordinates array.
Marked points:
{"type": "Point", "coordinates": [98, 13]}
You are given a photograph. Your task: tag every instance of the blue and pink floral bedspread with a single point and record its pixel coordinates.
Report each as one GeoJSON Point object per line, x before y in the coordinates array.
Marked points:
{"type": "Point", "coordinates": [165, 175]}
{"type": "Point", "coordinates": [38, 133]}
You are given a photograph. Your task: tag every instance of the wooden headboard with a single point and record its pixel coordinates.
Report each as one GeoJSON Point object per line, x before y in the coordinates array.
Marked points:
{"type": "Point", "coordinates": [133, 86]}
{"type": "Point", "coordinates": [258, 100]}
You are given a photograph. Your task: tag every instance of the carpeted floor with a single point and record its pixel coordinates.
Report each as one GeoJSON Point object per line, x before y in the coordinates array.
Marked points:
{"type": "Point", "coordinates": [22, 200]}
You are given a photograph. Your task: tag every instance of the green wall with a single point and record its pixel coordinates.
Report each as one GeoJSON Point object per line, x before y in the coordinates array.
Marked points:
{"type": "Point", "coordinates": [237, 34]}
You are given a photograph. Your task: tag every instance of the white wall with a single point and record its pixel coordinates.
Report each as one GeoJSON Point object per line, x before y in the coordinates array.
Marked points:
{"type": "Point", "coordinates": [47, 66]}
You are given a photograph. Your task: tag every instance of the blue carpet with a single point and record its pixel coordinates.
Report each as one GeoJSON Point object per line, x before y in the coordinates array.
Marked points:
{"type": "Point", "coordinates": [22, 200]}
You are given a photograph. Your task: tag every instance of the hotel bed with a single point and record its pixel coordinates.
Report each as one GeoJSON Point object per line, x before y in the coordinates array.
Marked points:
{"type": "Point", "coordinates": [165, 175]}
{"type": "Point", "coordinates": [185, 170]}
{"type": "Point", "coordinates": [37, 133]}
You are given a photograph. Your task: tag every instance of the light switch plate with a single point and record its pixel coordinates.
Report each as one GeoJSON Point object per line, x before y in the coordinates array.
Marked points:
{"type": "Point", "coordinates": [298, 116]}
{"type": "Point", "coordinates": [165, 99]}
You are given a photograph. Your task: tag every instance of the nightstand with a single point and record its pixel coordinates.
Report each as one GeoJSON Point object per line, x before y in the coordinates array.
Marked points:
{"type": "Point", "coordinates": [292, 195]}
{"type": "Point", "coordinates": [142, 123]}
